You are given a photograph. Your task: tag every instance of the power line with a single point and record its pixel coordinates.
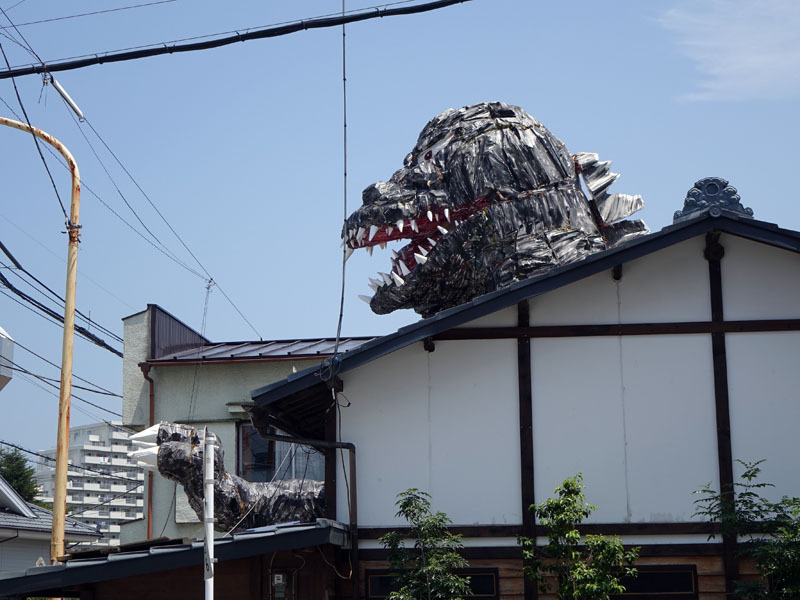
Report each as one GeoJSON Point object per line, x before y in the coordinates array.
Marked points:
{"type": "Point", "coordinates": [51, 459]}
{"type": "Point", "coordinates": [35, 139]}
{"type": "Point", "coordinates": [54, 294]}
{"type": "Point", "coordinates": [172, 229]}
{"type": "Point", "coordinates": [51, 363]}
{"type": "Point", "coordinates": [16, 367]}
{"type": "Point", "coordinates": [82, 331]}
{"type": "Point", "coordinates": [239, 36]}
{"type": "Point", "coordinates": [46, 382]}
{"type": "Point", "coordinates": [97, 12]}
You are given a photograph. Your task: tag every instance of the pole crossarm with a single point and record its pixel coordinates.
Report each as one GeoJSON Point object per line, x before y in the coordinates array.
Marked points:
{"type": "Point", "coordinates": [65, 391]}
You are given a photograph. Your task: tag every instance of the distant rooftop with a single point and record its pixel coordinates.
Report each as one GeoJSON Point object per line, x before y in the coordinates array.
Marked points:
{"type": "Point", "coordinates": [268, 350]}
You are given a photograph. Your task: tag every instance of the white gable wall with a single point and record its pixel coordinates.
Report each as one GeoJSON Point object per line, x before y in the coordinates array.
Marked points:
{"type": "Point", "coordinates": [634, 414]}
{"type": "Point", "coordinates": [444, 422]}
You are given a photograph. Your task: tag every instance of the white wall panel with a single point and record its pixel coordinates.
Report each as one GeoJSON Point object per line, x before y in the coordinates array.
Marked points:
{"type": "Point", "coordinates": [668, 286]}
{"type": "Point", "coordinates": [577, 420]}
{"type": "Point", "coordinates": [502, 318]}
{"type": "Point", "coordinates": [474, 408]}
{"type": "Point", "coordinates": [444, 422]}
{"type": "Point", "coordinates": [764, 390]}
{"type": "Point", "coordinates": [670, 424]}
{"type": "Point", "coordinates": [634, 415]}
{"type": "Point", "coordinates": [759, 281]}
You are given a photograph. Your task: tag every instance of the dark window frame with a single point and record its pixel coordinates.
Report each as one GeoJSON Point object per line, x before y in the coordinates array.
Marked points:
{"type": "Point", "coordinates": [467, 572]}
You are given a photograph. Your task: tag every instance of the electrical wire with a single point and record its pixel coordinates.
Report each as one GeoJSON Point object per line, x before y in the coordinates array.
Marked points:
{"type": "Point", "coordinates": [74, 397]}
{"type": "Point", "coordinates": [35, 139]}
{"type": "Point", "coordinates": [94, 506]}
{"type": "Point", "coordinates": [364, 14]}
{"type": "Point", "coordinates": [51, 363]}
{"type": "Point", "coordinates": [16, 367]}
{"type": "Point", "coordinates": [46, 310]}
{"type": "Point", "coordinates": [97, 12]}
{"type": "Point", "coordinates": [54, 294]}
{"type": "Point", "coordinates": [51, 459]}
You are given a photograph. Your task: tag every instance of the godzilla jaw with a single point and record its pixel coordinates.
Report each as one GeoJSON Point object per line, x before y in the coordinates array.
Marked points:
{"type": "Point", "coordinates": [424, 230]}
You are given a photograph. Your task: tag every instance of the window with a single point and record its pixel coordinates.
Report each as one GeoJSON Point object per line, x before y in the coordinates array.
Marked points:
{"type": "Point", "coordinates": [482, 582]}
{"type": "Point", "coordinates": [263, 460]}
{"type": "Point", "coordinates": [665, 582]}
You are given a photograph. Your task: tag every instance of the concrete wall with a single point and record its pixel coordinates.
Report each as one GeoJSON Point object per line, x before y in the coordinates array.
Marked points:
{"type": "Point", "coordinates": [135, 349]}
{"type": "Point", "coordinates": [634, 414]}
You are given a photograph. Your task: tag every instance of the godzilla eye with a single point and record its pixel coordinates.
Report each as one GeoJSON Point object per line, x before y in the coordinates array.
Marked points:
{"type": "Point", "coordinates": [428, 155]}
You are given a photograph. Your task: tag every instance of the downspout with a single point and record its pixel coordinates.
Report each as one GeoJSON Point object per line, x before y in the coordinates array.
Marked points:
{"type": "Point", "coordinates": [11, 538]}
{"type": "Point", "coordinates": [351, 448]}
{"type": "Point", "coordinates": [145, 367]}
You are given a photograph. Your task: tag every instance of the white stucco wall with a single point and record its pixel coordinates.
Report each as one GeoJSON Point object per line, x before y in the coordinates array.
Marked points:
{"type": "Point", "coordinates": [136, 346]}
{"type": "Point", "coordinates": [444, 422]}
{"type": "Point", "coordinates": [764, 379]}
{"type": "Point", "coordinates": [759, 281]}
{"type": "Point", "coordinates": [20, 554]}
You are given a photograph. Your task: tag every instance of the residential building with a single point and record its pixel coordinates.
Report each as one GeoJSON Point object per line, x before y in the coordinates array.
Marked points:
{"type": "Point", "coordinates": [173, 373]}
{"type": "Point", "coordinates": [25, 532]}
{"type": "Point", "coordinates": [104, 487]}
{"type": "Point", "coordinates": [649, 368]}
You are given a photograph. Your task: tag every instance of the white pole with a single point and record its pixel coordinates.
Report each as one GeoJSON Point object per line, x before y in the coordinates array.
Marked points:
{"type": "Point", "coordinates": [208, 512]}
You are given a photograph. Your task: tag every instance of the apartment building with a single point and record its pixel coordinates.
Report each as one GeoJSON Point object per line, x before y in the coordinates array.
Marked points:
{"type": "Point", "coordinates": [104, 488]}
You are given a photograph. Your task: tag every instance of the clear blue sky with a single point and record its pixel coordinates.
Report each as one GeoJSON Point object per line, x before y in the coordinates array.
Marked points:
{"type": "Point", "coordinates": [241, 147]}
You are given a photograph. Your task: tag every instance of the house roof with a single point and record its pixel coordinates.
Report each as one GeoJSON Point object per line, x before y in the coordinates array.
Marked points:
{"type": "Point", "coordinates": [306, 391]}
{"type": "Point", "coordinates": [168, 555]}
{"type": "Point", "coordinates": [19, 515]}
{"type": "Point", "coordinates": [269, 350]}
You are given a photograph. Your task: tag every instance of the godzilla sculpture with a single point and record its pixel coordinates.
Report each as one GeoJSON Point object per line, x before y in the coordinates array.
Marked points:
{"type": "Point", "coordinates": [177, 452]}
{"type": "Point", "coordinates": [487, 196]}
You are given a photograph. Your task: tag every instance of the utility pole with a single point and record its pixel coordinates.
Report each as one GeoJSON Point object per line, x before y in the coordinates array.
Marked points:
{"type": "Point", "coordinates": [65, 393]}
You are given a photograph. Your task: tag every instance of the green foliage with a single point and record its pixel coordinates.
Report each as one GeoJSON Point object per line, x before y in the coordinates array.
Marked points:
{"type": "Point", "coordinates": [587, 571]}
{"type": "Point", "coordinates": [18, 473]}
{"type": "Point", "coordinates": [769, 533]}
{"type": "Point", "coordinates": [425, 571]}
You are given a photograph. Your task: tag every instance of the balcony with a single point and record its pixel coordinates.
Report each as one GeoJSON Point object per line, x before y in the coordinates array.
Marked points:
{"type": "Point", "coordinates": [96, 460]}
{"type": "Point", "coordinates": [96, 448]}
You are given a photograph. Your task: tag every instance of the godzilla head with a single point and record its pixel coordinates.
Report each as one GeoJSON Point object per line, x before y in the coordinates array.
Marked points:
{"type": "Point", "coordinates": [486, 197]}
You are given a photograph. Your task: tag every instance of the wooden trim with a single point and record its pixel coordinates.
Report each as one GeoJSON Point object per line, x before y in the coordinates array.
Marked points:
{"type": "Point", "coordinates": [496, 531]}
{"type": "Point", "coordinates": [504, 552]}
{"type": "Point", "coordinates": [714, 251]}
{"type": "Point", "coordinates": [618, 329]}
{"type": "Point", "coordinates": [525, 382]}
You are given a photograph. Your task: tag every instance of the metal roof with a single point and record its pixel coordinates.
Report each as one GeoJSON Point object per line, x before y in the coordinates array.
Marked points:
{"type": "Point", "coordinates": [146, 559]}
{"type": "Point", "coordinates": [308, 383]}
{"type": "Point", "coordinates": [316, 348]}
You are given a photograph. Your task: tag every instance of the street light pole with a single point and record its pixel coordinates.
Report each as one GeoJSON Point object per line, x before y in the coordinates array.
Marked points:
{"type": "Point", "coordinates": [65, 393]}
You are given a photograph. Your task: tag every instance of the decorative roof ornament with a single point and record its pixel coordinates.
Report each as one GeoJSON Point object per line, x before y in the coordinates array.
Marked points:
{"type": "Point", "coordinates": [711, 195]}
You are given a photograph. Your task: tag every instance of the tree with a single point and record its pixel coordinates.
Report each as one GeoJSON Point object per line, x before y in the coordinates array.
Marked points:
{"type": "Point", "coordinates": [18, 473]}
{"type": "Point", "coordinates": [426, 571]}
{"type": "Point", "coordinates": [588, 571]}
{"type": "Point", "coordinates": [769, 533]}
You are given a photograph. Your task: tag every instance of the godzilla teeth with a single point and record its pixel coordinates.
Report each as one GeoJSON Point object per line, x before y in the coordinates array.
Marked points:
{"type": "Point", "coordinates": [423, 251]}
{"type": "Point", "coordinates": [421, 260]}
{"type": "Point", "coordinates": [447, 214]}
{"type": "Point", "coordinates": [373, 286]}
{"type": "Point", "coordinates": [414, 226]}
{"type": "Point", "coordinates": [389, 230]}
{"type": "Point", "coordinates": [343, 242]}
{"type": "Point", "coordinates": [431, 242]}
{"type": "Point", "coordinates": [347, 253]}
{"type": "Point", "coordinates": [442, 229]}
{"type": "Point", "coordinates": [369, 249]}
{"type": "Point", "coordinates": [430, 216]}
{"type": "Point", "coordinates": [366, 299]}
{"type": "Point", "coordinates": [383, 245]}
{"type": "Point", "coordinates": [403, 268]}
{"type": "Point", "coordinates": [397, 279]}
{"type": "Point", "coordinates": [395, 254]}
{"type": "Point", "coordinates": [375, 282]}
{"type": "Point", "coordinates": [373, 229]}
{"type": "Point", "coordinates": [400, 225]}
{"type": "Point", "coordinates": [360, 234]}
{"type": "Point", "coordinates": [385, 276]}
